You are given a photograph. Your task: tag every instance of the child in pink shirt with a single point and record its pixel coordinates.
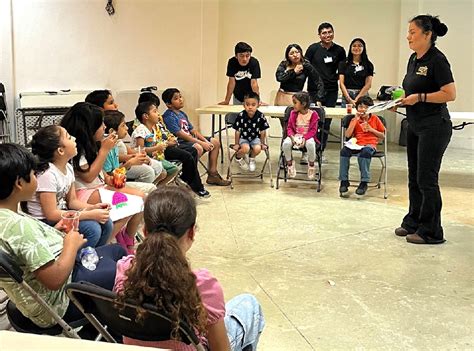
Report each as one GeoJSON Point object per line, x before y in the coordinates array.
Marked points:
{"type": "Point", "coordinates": [159, 273]}
{"type": "Point", "coordinates": [302, 129]}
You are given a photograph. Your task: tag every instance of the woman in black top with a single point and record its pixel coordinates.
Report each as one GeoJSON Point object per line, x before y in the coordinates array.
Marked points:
{"type": "Point", "coordinates": [292, 74]}
{"type": "Point", "coordinates": [428, 85]}
{"type": "Point", "coordinates": [355, 73]}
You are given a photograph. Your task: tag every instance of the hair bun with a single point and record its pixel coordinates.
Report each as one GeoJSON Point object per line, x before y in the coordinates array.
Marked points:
{"type": "Point", "coordinates": [438, 27]}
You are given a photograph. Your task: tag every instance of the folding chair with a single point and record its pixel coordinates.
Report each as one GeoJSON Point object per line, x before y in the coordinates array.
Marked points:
{"type": "Point", "coordinates": [229, 121]}
{"type": "Point", "coordinates": [100, 308]}
{"type": "Point", "coordinates": [282, 164]}
{"type": "Point", "coordinates": [4, 123]}
{"type": "Point", "coordinates": [9, 270]}
{"type": "Point", "coordinates": [381, 155]}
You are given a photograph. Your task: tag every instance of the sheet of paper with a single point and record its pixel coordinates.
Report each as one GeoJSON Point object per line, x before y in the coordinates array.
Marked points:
{"type": "Point", "coordinates": [123, 205]}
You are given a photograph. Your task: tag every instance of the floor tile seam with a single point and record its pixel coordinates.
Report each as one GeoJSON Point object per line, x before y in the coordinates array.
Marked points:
{"type": "Point", "coordinates": [282, 312]}
{"type": "Point", "coordinates": [309, 243]}
{"type": "Point", "coordinates": [230, 221]}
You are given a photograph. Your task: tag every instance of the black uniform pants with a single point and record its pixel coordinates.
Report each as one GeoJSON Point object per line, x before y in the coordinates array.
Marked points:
{"type": "Point", "coordinates": [425, 149]}
{"type": "Point", "coordinates": [190, 172]}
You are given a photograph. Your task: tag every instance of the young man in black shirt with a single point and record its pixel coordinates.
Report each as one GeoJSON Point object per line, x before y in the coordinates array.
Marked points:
{"type": "Point", "coordinates": [325, 57]}
{"type": "Point", "coordinates": [243, 71]}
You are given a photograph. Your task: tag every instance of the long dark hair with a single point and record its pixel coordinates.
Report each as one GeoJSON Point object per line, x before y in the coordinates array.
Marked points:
{"type": "Point", "coordinates": [82, 121]}
{"type": "Point", "coordinates": [160, 272]}
{"type": "Point", "coordinates": [364, 59]}
{"type": "Point", "coordinates": [44, 144]}
{"type": "Point", "coordinates": [432, 24]}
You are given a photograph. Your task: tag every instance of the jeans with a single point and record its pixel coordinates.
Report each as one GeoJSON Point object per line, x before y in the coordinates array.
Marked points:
{"type": "Point", "coordinates": [244, 322]}
{"type": "Point", "coordinates": [310, 146]}
{"type": "Point", "coordinates": [236, 101]}
{"type": "Point", "coordinates": [254, 142]}
{"type": "Point", "coordinates": [352, 93]}
{"type": "Point", "coordinates": [329, 100]}
{"type": "Point", "coordinates": [425, 149]}
{"type": "Point", "coordinates": [364, 156]}
{"type": "Point", "coordinates": [96, 234]}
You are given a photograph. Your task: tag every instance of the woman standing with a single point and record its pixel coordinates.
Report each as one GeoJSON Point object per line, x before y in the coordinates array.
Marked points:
{"type": "Point", "coordinates": [292, 74]}
{"type": "Point", "coordinates": [428, 85]}
{"type": "Point", "coordinates": [355, 73]}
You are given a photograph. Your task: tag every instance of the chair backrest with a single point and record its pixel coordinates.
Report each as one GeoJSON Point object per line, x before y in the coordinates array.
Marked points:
{"type": "Point", "coordinates": [9, 269]}
{"type": "Point", "coordinates": [101, 303]}
{"type": "Point", "coordinates": [231, 117]}
{"type": "Point", "coordinates": [3, 104]}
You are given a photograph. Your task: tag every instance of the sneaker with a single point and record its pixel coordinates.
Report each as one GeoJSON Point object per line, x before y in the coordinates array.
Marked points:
{"type": "Point", "coordinates": [311, 172]}
{"type": "Point", "coordinates": [252, 164]}
{"type": "Point", "coordinates": [242, 164]}
{"type": "Point", "coordinates": [344, 187]}
{"type": "Point", "coordinates": [216, 179]}
{"type": "Point", "coordinates": [292, 170]}
{"type": "Point", "coordinates": [203, 194]}
{"type": "Point", "coordinates": [304, 159]}
{"type": "Point", "coordinates": [362, 188]}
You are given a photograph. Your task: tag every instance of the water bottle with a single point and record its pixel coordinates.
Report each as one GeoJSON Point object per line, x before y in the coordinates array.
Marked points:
{"type": "Point", "coordinates": [89, 258]}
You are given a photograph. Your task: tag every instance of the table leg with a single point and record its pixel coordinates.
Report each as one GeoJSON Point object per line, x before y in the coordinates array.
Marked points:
{"type": "Point", "coordinates": [220, 138]}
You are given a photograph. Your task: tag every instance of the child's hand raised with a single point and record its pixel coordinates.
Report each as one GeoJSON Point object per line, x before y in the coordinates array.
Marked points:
{"type": "Point", "coordinates": [109, 142]}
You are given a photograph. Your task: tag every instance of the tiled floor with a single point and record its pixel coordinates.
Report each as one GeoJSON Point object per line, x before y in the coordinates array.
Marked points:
{"type": "Point", "coordinates": [330, 273]}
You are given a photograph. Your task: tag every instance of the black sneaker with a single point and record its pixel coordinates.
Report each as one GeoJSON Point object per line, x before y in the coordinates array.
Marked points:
{"type": "Point", "coordinates": [344, 187]}
{"type": "Point", "coordinates": [203, 194]}
{"type": "Point", "coordinates": [361, 189]}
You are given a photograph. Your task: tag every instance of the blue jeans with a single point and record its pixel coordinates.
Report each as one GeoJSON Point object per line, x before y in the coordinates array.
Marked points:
{"type": "Point", "coordinates": [244, 322]}
{"type": "Point", "coordinates": [352, 93]}
{"type": "Point", "coordinates": [254, 142]}
{"type": "Point", "coordinates": [364, 157]}
{"type": "Point", "coordinates": [96, 234]}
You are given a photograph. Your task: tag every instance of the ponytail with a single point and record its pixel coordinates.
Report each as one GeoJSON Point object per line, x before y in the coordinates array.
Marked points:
{"type": "Point", "coordinates": [44, 145]}
{"type": "Point", "coordinates": [161, 275]}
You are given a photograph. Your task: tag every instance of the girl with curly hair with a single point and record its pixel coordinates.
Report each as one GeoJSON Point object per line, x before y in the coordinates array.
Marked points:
{"type": "Point", "coordinates": [160, 273]}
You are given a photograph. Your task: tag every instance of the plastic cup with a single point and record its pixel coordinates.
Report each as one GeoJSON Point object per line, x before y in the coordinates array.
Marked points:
{"type": "Point", "coordinates": [139, 150]}
{"type": "Point", "coordinates": [70, 220]}
{"type": "Point", "coordinates": [349, 109]}
{"type": "Point", "coordinates": [119, 178]}
{"type": "Point", "coordinates": [397, 94]}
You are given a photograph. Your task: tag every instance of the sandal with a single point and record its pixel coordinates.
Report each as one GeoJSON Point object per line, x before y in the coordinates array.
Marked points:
{"type": "Point", "coordinates": [125, 241]}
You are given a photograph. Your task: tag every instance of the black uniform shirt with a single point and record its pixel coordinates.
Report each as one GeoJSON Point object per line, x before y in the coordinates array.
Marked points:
{"type": "Point", "coordinates": [354, 75]}
{"type": "Point", "coordinates": [243, 75]}
{"type": "Point", "coordinates": [326, 62]}
{"type": "Point", "coordinates": [427, 75]}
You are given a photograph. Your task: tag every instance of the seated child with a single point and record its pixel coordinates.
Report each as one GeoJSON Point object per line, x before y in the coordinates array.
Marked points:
{"type": "Point", "coordinates": [153, 136]}
{"type": "Point", "coordinates": [178, 123]}
{"type": "Point", "coordinates": [86, 123]}
{"type": "Point", "coordinates": [160, 274]}
{"type": "Point", "coordinates": [139, 167]}
{"type": "Point", "coordinates": [56, 192]}
{"type": "Point", "coordinates": [102, 99]}
{"type": "Point", "coordinates": [47, 256]}
{"type": "Point", "coordinates": [301, 130]}
{"type": "Point", "coordinates": [250, 127]}
{"type": "Point", "coordinates": [367, 129]}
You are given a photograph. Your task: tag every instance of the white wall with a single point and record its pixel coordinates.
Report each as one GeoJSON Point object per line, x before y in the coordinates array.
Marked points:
{"type": "Point", "coordinates": [60, 44]}
{"type": "Point", "coordinates": [76, 45]}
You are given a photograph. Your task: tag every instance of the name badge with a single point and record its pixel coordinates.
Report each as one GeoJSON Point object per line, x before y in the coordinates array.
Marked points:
{"type": "Point", "coordinates": [328, 59]}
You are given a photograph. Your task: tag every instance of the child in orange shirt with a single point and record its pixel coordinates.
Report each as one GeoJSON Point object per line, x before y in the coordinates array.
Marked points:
{"type": "Point", "coordinates": [367, 129]}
